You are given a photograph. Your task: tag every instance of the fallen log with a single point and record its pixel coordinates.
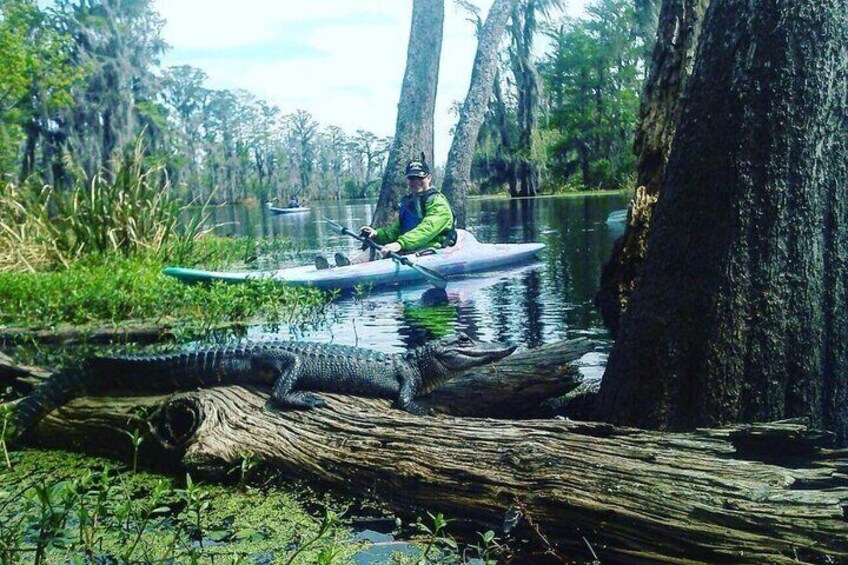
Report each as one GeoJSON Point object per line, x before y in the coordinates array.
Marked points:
{"type": "Point", "coordinates": [634, 496]}
{"type": "Point", "coordinates": [127, 332]}
{"type": "Point", "coordinates": [518, 387]}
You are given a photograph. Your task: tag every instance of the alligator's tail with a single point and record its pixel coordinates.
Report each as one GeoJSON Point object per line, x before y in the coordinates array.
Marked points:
{"type": "Point", "coordinates": [149, 374]}
{"type": "Point", "coordinates": [55, 392]}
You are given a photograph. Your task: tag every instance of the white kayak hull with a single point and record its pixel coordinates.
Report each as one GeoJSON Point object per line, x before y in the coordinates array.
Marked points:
{"type": "Point", "coordinates": [468, 256]}
{"type": "Point", "coordinates": [617, 216]}
{"type": "Point", "coordinates": [279, 210]}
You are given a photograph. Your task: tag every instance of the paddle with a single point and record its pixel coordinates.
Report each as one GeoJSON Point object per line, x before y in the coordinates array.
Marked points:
{"type": "Point", "coordinates": [432, 276]}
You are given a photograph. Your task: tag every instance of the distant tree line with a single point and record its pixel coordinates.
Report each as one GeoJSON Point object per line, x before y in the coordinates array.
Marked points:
{"type": "Point", "coordinates": [82, 79]}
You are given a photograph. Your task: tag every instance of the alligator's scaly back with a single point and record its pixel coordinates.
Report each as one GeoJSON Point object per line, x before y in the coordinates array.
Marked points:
{"type": "Point", "coordinates": [149, 373]}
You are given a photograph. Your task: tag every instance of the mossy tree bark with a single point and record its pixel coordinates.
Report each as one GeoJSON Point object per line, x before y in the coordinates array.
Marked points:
{"type": "Point", "coordinates": [662, 102]}
{"type": "Point", "coordinates": [458, 168]}
{"type": "Point", "coordinates": [740, 312]}
{"type": "Point", "coordinates": [417, 106]}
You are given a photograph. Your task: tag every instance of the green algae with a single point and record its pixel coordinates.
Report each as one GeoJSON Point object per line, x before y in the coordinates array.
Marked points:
{"type": "Point", "coordinates": [60, 507]}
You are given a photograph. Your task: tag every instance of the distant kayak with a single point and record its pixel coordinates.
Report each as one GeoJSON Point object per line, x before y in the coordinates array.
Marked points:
{"type": "Point", "coordinates": [279, 210]}
{"type": "Point", "coordinates": [617, 216]}
{"type": "Point", "coordinates": [467, 256]}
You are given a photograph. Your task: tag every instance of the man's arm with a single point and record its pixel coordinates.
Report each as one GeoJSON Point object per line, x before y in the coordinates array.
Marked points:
{"type": "Point", "coordinates": [387, 234]}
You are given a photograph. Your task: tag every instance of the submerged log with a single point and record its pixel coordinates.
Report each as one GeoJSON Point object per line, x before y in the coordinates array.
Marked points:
{"type": "Point", "coordinates": [750, 494]}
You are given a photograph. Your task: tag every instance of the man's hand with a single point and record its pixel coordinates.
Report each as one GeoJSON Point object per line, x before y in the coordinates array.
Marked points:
{"type": "Point", "coordinates": [393, 247]}
{"type": "Point", "coordinates": [368, 231]}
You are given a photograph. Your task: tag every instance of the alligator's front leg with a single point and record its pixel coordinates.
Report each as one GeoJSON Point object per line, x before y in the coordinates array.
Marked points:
{"type": "Point", "coordinates": [409, 383]}
{"type": "Point", "coordinates": [285, 372]}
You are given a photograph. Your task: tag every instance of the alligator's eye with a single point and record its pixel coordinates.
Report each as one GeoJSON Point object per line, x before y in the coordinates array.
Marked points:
{"type": "Point", "coordinates": [465, 340]}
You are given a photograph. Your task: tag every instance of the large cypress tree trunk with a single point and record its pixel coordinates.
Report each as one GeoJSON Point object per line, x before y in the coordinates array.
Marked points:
{"type": "Point", "coordinates": [740, 312]}
{"type": "Point", "coordinates": [662, 101]}
{"type": "Point", "coordinates": [458, 169]}
{"type": "Point", "coordinates": [414, 129]}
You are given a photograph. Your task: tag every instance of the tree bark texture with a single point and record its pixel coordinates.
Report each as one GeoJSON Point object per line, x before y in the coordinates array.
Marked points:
{"type": "Point", "coordinates": [662, 102]}
{"type": "Point", "coordinates": [633, 496]}
{"type": "Point", "coordinates": [458, 168]}
{"type": "Point", "coordinates": [740, 312]}
{"type": "Point", "coordinates": [417, 106]}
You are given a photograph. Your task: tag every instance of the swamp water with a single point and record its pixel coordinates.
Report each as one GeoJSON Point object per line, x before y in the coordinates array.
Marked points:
{"type": "Point", "coordinates": [529, 305]}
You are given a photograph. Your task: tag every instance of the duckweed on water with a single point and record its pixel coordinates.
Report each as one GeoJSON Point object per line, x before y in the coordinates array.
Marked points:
{"type": "Point", "coordinates": [57, 507]}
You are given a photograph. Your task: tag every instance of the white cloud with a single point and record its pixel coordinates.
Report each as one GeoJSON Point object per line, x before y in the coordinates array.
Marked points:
{"type": "Point", "coordinates": [341, 60]}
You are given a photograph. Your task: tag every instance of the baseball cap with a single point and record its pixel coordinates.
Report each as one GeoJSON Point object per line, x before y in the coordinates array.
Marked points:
{"type": "Point", "coordinates": [417, 169]}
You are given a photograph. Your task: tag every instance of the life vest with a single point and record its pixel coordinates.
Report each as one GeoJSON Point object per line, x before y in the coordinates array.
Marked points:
{"type": "Point", "coordinates": [412, 209]}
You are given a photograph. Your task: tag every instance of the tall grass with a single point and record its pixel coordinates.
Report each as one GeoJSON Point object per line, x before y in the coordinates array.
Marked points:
{"type": "Point", "coordinates": [124, 209]}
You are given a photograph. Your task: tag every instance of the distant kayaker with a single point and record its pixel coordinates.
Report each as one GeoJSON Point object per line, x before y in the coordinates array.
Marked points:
{"type": "Point", "coordinates": [294, 202]}
{"type": "Point", "coordinates": [425, 219]}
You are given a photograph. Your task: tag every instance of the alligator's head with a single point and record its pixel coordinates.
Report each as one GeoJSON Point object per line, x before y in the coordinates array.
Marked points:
{"type": "Point", "coordinates": [461, 352]}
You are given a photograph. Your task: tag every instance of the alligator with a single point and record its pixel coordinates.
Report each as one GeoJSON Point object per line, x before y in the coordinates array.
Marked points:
{"type": "Point", "coordinates": [292, 369]}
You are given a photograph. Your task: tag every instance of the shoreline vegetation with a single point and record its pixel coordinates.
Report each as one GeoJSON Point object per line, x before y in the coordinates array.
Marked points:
{"type": "Point", "coordinates": [62, 507]}
{"type": "Point", "coordinates": [93, 255]}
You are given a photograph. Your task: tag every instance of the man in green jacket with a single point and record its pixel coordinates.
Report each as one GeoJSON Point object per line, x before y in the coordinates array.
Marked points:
{"type": "Point", "coordinates": [425, 218]}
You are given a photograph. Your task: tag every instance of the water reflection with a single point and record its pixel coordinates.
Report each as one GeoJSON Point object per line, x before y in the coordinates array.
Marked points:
{"type": "Point", "coordinates": [529, 306]}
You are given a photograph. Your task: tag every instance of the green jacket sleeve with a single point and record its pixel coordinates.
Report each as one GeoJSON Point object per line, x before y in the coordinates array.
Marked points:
{"type": "Point", "coordinates": [438, 217]}
{"type": "Point", "coordinates": [388, 234]}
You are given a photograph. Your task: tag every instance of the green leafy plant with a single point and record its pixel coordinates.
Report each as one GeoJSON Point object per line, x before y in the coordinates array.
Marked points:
{"type": "Point", "coordinates": [247, 464]}
{"type": "Point", "coordinates": [489, 549]}
{"type": "Point", "coordinates": [435, 536]}
{"type": "Point", "coordinates": [6, 413]}
{"type": "Point", "coordinates": [52, 504]}
{"type": "Point", "coordinates": [331, 519]}
{"type": "Point", "coordinates": [136, 438]}
{"type": "Point", "coordinates": [196, 500]}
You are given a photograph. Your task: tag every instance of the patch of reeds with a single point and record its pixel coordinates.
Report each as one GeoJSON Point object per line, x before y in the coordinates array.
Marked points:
{"type": "Point", "coordinates": [124, 209]}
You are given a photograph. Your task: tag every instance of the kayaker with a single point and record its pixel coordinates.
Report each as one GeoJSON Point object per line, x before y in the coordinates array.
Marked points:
{"type": "Point", "coordinates": [294, 202]}
{"type": "Point", "coordinates": [425, 219]}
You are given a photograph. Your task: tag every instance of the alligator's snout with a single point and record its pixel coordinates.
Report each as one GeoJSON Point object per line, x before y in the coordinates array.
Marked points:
{"type": "Point", "coordinates": [463, 352]}
{"type": "Point", "coordinates": [496, 350]}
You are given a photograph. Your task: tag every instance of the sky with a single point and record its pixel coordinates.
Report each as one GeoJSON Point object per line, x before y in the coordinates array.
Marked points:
{"type": "Point", "coordinates": [340, 60]}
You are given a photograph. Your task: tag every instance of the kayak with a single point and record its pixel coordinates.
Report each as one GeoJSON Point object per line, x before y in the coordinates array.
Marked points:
{"type": "Point", "coordinates": [617, 217]}
{"type": "Point", "coordinates": [467, 256]}
{"type": "Point", "coordinates": [278, 210]}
